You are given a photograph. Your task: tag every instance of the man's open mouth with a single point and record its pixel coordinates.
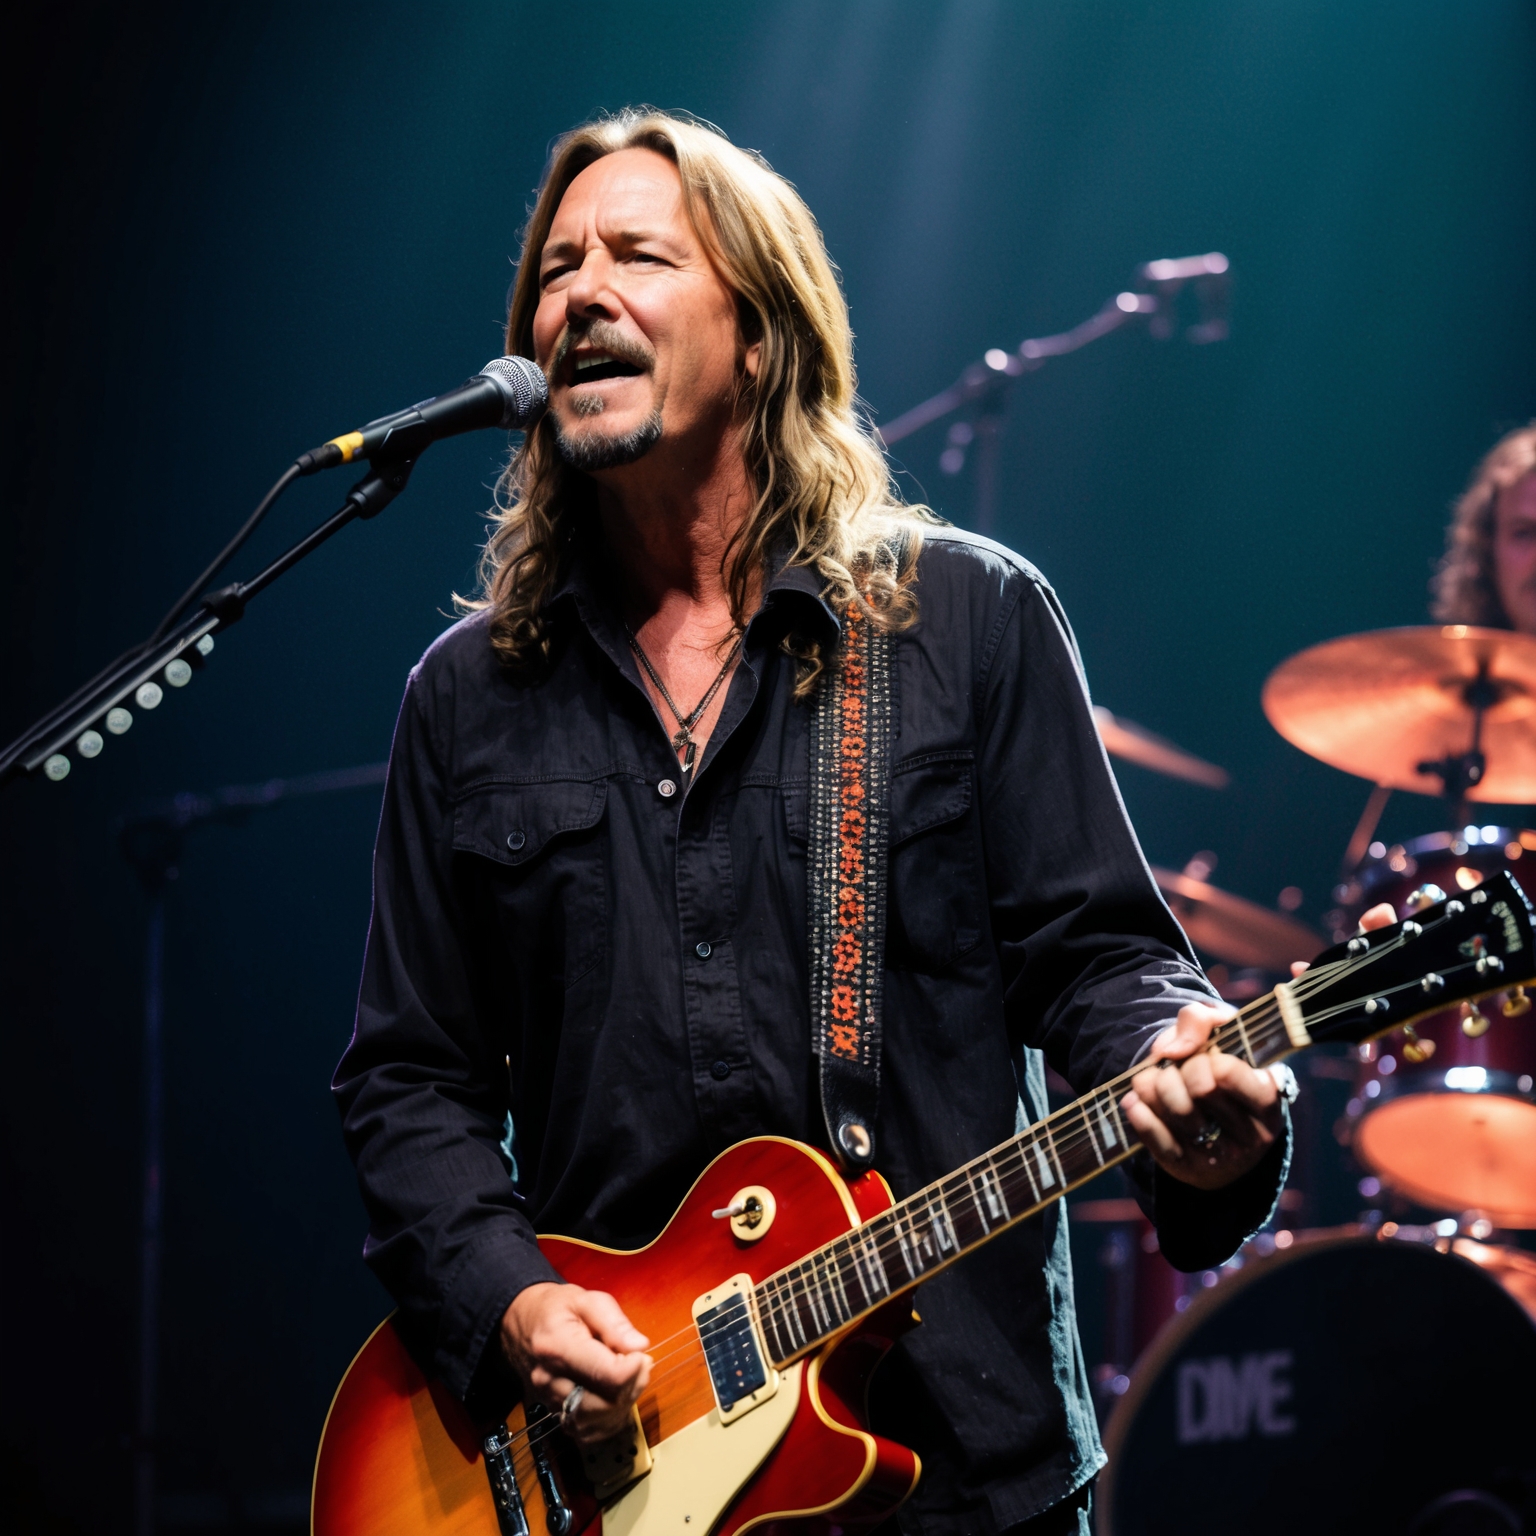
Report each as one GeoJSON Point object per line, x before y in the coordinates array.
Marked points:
{"type": "Point", "coordinates": [594, 366]}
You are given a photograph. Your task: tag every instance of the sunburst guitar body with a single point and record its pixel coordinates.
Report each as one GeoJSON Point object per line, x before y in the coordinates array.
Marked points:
{"type": "Point", "coordinates": [400, 1457]}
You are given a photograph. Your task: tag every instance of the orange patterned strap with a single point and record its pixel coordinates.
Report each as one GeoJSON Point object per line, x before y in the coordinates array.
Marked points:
{"type": "Point", "coordinates": [850, 752]}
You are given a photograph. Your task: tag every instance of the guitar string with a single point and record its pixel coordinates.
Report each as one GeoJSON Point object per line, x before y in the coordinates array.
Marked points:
{"type": "Point", "coordinates": [695, 1351]}
{"type": "Point", "coordinates": [1007, 1162]}
{"type": "Point", "coordinates": [789, 1288]}
{"type": "Point", "coordinates": [887, 1240]}
{"type": "Point", "coordinates": [883, 1231]}
{"type": "Point", "coordinates": [954, 1184]}
{"type": "Point", "coordinates": [1067, 1144]}
{"type": "Point", "coordinates": [945, 1189]}
{"type": "Point", "coordinates": [883, 1237]}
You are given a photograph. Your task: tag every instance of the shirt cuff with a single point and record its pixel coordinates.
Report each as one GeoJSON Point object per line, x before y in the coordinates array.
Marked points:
{"type": "Point", "coordinates": [1202, 1228]}
{"type": "Point", "coordinates": [468, 1354]}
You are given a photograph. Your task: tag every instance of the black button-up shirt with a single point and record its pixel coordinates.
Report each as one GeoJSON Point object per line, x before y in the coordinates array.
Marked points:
{"type": "Point", "coordinates": [586, 977]}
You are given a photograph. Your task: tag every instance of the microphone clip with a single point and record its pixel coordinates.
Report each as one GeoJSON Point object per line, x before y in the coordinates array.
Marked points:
{"type": "Point", "coordinates": [379, 487]}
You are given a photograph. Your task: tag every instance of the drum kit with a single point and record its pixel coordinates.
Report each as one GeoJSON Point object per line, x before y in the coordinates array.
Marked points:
{"type": "Point", "coordinates": [1262, 1393]}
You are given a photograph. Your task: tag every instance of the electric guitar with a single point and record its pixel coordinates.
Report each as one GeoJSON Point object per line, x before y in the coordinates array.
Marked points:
{"type": "Point", "coordinates": [778, 1286]}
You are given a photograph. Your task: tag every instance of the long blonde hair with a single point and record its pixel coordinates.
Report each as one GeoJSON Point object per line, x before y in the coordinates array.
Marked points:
{"type": "Point", "coordinates": [1466, 586]}
{"type": "Point", "coordinates": [824, 493]}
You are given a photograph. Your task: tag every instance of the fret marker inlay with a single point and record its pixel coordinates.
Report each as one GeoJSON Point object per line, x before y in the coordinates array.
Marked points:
{"type": "Point", "coordinates": [1108, 1128]}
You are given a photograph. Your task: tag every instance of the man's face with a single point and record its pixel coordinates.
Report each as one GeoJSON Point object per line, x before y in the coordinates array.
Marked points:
{"type": "Point", "coordinates": [634, 327]}
{"type": "Point", "coordinates": [1514, 552]}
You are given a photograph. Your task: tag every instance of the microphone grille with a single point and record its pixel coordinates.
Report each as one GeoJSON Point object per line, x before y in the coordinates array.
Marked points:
{"type": "Point", "coordinates": [523, 387]}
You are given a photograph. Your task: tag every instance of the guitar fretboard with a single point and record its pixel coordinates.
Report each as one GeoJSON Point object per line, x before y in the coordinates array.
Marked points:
{"type": "Point", "coordinates": [803, 1305]}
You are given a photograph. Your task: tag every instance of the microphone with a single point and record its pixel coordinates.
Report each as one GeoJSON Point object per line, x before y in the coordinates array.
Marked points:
{"type": "Point", "coordinates": [509, 392]}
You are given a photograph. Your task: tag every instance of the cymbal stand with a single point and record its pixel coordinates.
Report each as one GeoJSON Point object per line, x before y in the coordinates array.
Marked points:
{"type": "Point", "coordinates": [1463, 771]}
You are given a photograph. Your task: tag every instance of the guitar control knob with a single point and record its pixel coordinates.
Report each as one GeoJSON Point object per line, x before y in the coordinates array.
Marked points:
{"type": "Point", "coordinates": [1416, 1050]}
{"type": "Point", "coordinates": [1474, 1022]}
{"type": "Point", "coordinates": [1425, 896]}
{"type": "Point", "coordinates": [1516, 1001]}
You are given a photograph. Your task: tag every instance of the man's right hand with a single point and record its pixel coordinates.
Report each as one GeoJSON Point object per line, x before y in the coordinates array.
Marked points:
{"type": "Point", "coordinates": [558, 1337]}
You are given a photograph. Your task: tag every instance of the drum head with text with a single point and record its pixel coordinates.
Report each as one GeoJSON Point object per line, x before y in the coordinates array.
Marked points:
{"type": "Point", "coordinates": [1346, 1385]}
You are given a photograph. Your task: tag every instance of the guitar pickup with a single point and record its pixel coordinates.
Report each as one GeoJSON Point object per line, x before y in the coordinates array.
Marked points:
{"type": "Point", "coordinates": [738, 1364]}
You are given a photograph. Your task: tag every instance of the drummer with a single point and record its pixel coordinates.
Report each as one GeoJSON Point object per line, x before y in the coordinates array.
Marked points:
{"type": "Point", "coordinates": [1488, 573]}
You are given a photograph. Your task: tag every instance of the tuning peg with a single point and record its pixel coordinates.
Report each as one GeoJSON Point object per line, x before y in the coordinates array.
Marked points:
{"type": "Point", "coordinates": [1424, 896]}
{"type": "Point", "coordinates": [1416, 1050]}
{"type": "Point", "coordinates": [1516, 1001]}
{"type": "Point", "coordinates": [1474, 1022]}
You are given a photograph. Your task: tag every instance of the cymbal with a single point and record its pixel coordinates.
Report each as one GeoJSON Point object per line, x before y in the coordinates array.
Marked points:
{"type": "Point", "coordinates": [1136, 744]}
{"type": "Point", "coordinates": [1384, 704]}
{"type": "Point", "coordinates": [1234, 929]}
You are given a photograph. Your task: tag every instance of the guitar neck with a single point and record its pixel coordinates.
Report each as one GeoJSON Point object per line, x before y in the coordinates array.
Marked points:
{"type": "Point", "coordinates": [804, 1305]}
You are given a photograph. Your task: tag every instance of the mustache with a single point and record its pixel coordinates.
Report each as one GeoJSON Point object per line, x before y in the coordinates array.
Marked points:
{"type": "Point", "coordinates": [604, 334]}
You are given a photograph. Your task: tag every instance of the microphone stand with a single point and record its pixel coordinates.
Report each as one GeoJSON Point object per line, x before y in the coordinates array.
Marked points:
{"type": "Point", "coordinates": [174, 652]}
{"type": "Point", "coordinates": [986, 383]}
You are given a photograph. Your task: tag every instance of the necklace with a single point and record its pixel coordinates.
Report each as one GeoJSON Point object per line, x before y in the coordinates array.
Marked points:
{"type": "Point", "coordinates": [683, 742]}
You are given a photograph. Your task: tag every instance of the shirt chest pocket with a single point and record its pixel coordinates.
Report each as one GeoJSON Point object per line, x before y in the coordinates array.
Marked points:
{"type": "Point", "coordinates": [938, 886]}
{"type": "Point", "coordinates": [937, 891]}
{"type": "Point", "coordinates": [542, 850]}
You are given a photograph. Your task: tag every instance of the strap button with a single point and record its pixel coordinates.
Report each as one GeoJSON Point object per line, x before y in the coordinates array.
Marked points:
{"type": "Point", "coordinates": [515, 840]}
{"type": "Point", "coordinates": [704, 949]}
{"type": "Point", "coordinates": [720, 1070]}
{"type": "Point", "coordinates": [667, 788]}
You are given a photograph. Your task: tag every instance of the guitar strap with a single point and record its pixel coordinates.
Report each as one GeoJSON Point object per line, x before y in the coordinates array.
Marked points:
{"type": "Point", "coordinates": [850, 751]}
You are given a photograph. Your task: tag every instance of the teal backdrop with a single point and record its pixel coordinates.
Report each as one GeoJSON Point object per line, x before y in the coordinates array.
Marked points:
{"type": "Point", "coordinates": [237, 231]}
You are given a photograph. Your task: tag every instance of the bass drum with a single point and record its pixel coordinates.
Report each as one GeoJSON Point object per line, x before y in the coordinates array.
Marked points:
{"type": "Point", "coordinates": [1344, 1385]}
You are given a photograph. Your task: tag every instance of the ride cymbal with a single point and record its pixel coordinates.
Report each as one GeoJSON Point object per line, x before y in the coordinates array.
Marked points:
{"type": "Point", "coordinates": [1437, 709]}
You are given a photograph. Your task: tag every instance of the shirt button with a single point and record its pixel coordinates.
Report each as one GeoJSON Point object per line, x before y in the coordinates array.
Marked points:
{"type": "Point", "coordinates": [667, 788]}
{"type": "Point", "coordinates": [704, 950]}
{"type": "Point", "coordinates": [515, 840]}
{"type": "Point", "coordinates": [720, 1070]}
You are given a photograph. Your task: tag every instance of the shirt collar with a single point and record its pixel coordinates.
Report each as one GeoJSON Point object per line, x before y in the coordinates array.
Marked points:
{"type": "Point", "coordinates": [790, 589]}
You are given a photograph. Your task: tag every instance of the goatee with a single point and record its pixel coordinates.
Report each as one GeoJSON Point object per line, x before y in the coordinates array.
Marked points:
{"type": "Point", "coordinates": [593, 451]}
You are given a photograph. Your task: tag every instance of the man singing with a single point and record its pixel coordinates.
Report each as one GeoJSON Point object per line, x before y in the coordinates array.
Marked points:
{"type": "Point", "coordinates": [587, 971]}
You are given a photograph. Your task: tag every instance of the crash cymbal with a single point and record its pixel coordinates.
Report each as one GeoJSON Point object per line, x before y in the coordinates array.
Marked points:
{"type": "Point", "coordinates": [1136, 744]}
{"type": "Point", "coordinates": [1389, 704]}
{"type": "Point", "coordinates": [1236, 930]}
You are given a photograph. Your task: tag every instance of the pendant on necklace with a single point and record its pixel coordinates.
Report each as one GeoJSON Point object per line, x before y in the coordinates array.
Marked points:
{"type": "Point", "coordinates": [685, 744]}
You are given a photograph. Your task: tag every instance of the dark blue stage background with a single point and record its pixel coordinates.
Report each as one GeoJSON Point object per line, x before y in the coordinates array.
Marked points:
{"type": "Point", "coordinates": [238, 230]}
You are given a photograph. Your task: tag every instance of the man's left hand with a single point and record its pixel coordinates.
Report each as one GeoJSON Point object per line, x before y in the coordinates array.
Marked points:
{"type": "Point", "coordinates": [1208, 1118]}
{"type": "Point", "coordinates": [1205, 1117]}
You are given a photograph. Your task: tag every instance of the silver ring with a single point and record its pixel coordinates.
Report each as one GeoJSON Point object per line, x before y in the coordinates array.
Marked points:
{"type": "Point", "coordinates": [571, 1404]}
{"type": "Point", "coordinates": [1208, 1135]}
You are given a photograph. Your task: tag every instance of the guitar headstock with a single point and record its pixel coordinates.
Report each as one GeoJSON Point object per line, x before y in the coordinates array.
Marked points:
{"type": "Point", "coordinates": [1466, 947]}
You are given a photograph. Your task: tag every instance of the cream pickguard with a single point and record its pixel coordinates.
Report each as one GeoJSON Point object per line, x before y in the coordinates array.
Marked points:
{"type": "Point", "coordinates": [696, 1474]}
